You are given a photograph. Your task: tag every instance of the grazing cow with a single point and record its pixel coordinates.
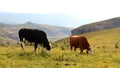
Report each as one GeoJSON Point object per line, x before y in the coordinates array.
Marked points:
{"type": "Point", "coordinates": [80, 42]}
{"type": "Point", "coordinates": [34, 35]}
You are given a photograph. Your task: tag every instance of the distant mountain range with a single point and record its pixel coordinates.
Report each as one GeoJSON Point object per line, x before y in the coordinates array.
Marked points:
{"type": "Point", "coordinates": [11, 23]}
{"type": "Point", "coordinates": [101, 25]}
{"type": "Point", "coordinates": [53, 32]}
{"type": "Point", "coordinates": [52, 19]}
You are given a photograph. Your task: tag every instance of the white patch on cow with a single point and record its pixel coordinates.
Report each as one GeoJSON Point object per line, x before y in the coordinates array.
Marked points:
{"type": "Point", "coordinates": [91, 51]}
{"type": "Point", "coordinates": [50, 45]}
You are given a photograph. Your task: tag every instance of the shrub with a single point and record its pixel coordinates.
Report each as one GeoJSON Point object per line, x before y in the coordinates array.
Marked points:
{"type": "Point", "coordinates": [116, 45]}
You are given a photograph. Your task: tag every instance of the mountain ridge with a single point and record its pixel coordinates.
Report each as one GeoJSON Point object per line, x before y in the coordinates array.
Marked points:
{"type": "Point", "coordinates": [96, 26]}
{"type": "Point", "coordinates": [11, 31]}
{"type": "Point", "coordinates": [53, 19]}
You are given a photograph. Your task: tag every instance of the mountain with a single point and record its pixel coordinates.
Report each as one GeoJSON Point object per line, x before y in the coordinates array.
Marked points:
{"type": "Point", "coordinates": [53, 32]}
{"type": "Point", "coordinates": [53, 19]}
{"type": "Point", "coordinates": [101, 25]}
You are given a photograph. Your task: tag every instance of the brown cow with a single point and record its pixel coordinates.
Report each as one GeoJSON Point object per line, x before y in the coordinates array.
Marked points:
{"type": "Point", "coordinates": [80, 42]}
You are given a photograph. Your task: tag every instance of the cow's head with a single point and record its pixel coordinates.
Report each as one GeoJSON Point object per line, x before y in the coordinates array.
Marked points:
{"type": "Point", "coordinates": [48, 47]}
{"type": "Point", "coordinates": [90, 50]}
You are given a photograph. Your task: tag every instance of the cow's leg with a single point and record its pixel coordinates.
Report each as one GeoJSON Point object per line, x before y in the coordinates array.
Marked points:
{"type": "Point", "coordinates": [71, 48]}
{"type": "Point", "coordinates": [39, 45]}
{"type": "Point", "coordinates": [22, 45]}
{"type": "Point", "coordinates": [81, 51]}
{"type": "Point", "coordinates": [74, 48]}
{"type": "Point", "coordinates": [87, 51]}
{"type": "Point", "coordinates": [35, 47]}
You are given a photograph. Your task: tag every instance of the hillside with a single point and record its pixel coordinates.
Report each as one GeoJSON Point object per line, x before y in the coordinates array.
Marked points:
{"type": "Point", "coordinates": [101, 25]}
{"type": "Point", "coordinates": [53, 32]}
{"type": "Point", "coordinates": [108, 38]}
{"type": "Point", "coordinates": [7, 41]}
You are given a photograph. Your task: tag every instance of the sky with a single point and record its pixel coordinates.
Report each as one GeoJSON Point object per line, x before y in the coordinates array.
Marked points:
{"type": "Point", "coordinates": [89, 10]}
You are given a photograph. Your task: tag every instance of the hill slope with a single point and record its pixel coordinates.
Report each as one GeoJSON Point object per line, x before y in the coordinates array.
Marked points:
{"type": "Point", "coordinates": [53, 32]}
{"type": "Point", "coordinates": [101, 25]}
{"type": "Point", "coordinates": [4, 41]}
{"type": "Point", "coordinates": [109, 38]}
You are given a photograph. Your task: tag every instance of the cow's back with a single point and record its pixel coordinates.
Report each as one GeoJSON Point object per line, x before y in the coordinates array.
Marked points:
{"type": "Point", "coordinates": [32, 35]}
{"type": "Point", "coordinates": [74, 41]}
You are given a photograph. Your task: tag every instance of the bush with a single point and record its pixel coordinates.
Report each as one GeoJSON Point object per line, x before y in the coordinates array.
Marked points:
{"type": "Point", "coordinates": [3, 44]}
{"type": "Point", "coordinates": [116, 45]}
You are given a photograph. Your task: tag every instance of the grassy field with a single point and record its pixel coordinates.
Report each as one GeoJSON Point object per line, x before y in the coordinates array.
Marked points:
{"type": "Point", "coordinates": [106, 46]}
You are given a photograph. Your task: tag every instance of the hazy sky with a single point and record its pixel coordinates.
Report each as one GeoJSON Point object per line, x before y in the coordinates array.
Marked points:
{"type": "Point", "coordinates": [90, 10]}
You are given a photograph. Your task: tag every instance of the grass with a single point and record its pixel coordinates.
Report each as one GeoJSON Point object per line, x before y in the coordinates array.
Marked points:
{"type": "Point", "coordinates": [13, 57]}
{"type": "Point", "coordinates": [106, 54]}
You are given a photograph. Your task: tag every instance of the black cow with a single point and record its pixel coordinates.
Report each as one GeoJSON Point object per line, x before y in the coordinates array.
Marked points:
{"type": "Point", "coordinates": [34, 35]}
